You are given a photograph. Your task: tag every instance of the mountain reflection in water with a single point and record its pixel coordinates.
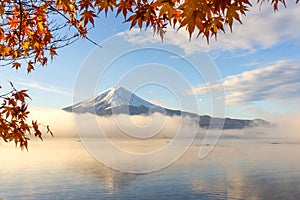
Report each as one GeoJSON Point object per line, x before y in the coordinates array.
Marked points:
{"type": "Point", "coordinates": [236, 169]}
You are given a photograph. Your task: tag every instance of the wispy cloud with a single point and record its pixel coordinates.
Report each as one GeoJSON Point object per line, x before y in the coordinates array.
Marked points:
{"type": "Point", "coordinates": [175, 38]}
{"type": "Point", "coordinates": [261, 28]}
{"type": "Point", "coordinates": [163, 103]}
{"type": "Point", "coordinates": [277, 82]}
{"type": "Point", "coordinates": [44, 87]}
{"type": "Point", "coordinates": [251, 64]}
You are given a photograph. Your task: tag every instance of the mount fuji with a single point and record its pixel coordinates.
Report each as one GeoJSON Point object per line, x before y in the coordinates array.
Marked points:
{"type": "Point", "coordinates": [118, 100]}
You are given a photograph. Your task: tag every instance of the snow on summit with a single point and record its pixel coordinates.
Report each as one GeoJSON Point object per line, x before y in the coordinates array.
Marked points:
{"type": "Point", "coordinates": [116, 96]}
{"type": "Point", "coordinates": [109, 99]}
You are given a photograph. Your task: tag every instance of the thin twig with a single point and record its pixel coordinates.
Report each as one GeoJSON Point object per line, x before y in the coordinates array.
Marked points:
{"type": "Point", "coordinates": [68, 20]}
{"type": "Point", "coordinates": [21, 18]}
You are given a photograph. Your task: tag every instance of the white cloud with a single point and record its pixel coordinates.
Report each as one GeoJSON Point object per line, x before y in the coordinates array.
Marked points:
{"type": "Point", "coordinates": [44, 87]}
{"type": "Point", "coordinates": [66, 124]}
{"type": "Point", "coordinates": [251, 64]}
{"type": "Point", "coordinates": [172, 37]}
{"type": "Point", "coordinates": [277, 82]}
{"type": "Point", "coordinates": [261, 28]}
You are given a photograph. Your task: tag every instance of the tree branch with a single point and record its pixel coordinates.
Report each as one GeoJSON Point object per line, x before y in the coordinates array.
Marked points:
{"type": "Point", "coordinates": [21, 22]}
{"type": "Point", "coordinates": [68, 21]}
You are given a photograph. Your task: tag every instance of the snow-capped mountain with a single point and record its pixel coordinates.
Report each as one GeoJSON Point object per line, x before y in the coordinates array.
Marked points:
{"type": "Point", "coordinates": [118, 100]}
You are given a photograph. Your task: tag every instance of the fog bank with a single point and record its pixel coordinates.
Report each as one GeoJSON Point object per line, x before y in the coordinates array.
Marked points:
{"type": "Point", "coordinates": [65, 124]}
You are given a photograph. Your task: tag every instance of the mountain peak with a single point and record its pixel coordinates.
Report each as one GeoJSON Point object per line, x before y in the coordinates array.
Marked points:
{"type": "Point", "coordinates": [111, 98]}
{"type": "Point", "coordinates": [117, 90]}
{"type": "Point", "coordinates": [117, 96]}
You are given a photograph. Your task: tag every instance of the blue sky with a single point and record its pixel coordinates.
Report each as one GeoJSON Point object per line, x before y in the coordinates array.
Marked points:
{"type": "Point", "coordinates": [258, 66]}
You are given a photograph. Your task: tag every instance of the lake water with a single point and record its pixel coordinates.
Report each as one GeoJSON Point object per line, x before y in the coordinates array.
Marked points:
{"type": "Point", "coordinates": [236, 169]}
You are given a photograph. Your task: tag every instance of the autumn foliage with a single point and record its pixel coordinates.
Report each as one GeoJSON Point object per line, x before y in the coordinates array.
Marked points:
{"type": "Point", "coordinates": [31, 31]}
{"type": "Point", "coordinates": [14, 116]}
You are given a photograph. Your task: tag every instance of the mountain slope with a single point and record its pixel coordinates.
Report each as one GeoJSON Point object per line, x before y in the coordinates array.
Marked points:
{"type": "Point", "coordinates": [104, 102]}
{"type": "Point", "coordinates": [118, 100]}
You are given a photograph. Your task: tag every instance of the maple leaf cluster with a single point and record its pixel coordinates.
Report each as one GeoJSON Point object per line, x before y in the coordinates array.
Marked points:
{"type": "Point", "coordinates": [31, 29]}
{"type": "Point", "coordinates": [14, 125]}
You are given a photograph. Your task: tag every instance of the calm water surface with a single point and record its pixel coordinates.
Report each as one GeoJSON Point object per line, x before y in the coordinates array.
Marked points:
{"type": "Point", "coordinates": [236, 169]}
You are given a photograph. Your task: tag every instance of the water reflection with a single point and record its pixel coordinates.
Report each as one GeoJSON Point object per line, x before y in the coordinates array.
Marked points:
{"type": "Point", "coordinates": [56, 167]}
{"type": "Point", "coordinates": [93, 170]}
{"type": "Point", "coordinates": [236, 169]}
{"type": "Point", "coordinates": [250, 170]}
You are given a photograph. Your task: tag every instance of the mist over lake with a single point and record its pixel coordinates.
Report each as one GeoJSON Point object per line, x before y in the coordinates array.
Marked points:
{"type": "Point", "coordinates": [235, 169]}
{"type": "Point", "coordinates": [245, 164]}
